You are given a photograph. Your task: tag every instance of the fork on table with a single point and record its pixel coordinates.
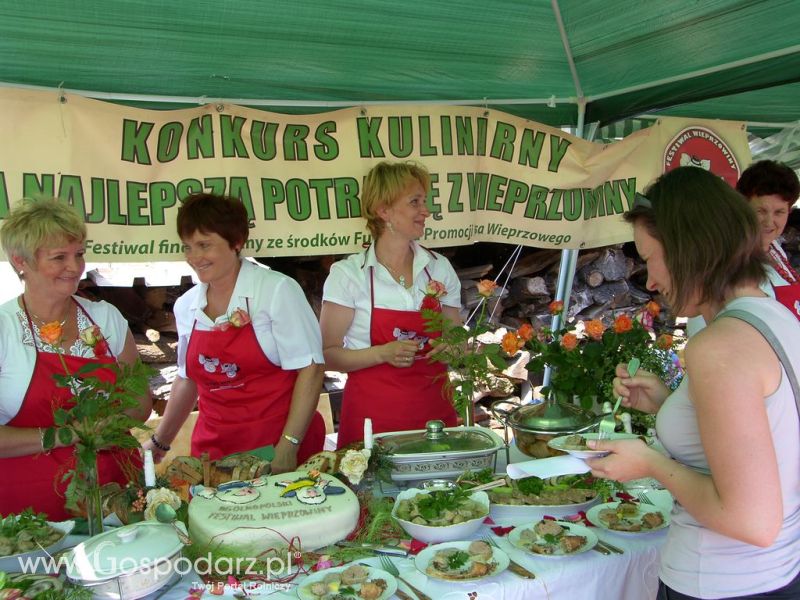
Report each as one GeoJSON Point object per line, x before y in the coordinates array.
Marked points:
{"type": "Point", "coordinates": [388, 566]}
{"type": "Point", "coordinates": [513, 566]}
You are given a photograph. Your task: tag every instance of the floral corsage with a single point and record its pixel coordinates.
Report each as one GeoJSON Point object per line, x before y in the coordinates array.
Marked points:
{"type": "Point", "coordinates": [94, 339]}
{"type": "Point", "coordinates": [238, 318]}
{"type": "Point", "coordinates": [433, 291]}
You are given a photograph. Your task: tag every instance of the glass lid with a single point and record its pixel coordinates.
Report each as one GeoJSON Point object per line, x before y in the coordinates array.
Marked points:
{"type": "Point", "coordinates": [123, 550]}
{"type": "Point", "coordinates": [436, 440]}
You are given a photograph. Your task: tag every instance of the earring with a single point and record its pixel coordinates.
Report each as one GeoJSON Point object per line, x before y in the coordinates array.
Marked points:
{"type": "Point", "coordinates": [389, 226]}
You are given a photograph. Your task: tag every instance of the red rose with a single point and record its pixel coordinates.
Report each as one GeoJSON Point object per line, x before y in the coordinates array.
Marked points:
{"type": "Point", "coordinates": [101, 349]}
{"type": "Point", "coordinates": [430, 303]}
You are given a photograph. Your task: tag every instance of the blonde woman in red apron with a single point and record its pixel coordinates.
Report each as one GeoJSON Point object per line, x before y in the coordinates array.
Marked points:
{"type": "Point", "coordinates": [372, 327]}
{"type": "Point", "coordinates": [772, 189]}
{"type": "Point", "coordinates": [249, 350]}
{"type": "Point", "coordinates": [44, 241]}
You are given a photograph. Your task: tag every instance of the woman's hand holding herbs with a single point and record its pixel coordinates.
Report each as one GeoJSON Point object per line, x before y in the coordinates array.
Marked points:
{"type": "Point", "coordinates": [644, 392]}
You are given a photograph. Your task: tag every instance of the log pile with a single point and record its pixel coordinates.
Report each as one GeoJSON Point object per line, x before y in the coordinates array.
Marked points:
{"type": "Point", "coordinates": [608, 280]}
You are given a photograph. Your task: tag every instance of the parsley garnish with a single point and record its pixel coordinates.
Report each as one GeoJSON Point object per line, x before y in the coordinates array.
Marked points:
{"type": "Point", "coordinates": [457, 560]}
{"type": "Point", "coordinates": [432, 505]}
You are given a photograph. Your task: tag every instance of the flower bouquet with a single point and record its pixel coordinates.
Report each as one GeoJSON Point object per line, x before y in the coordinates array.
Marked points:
{"type": "Point", "coordinates": [584, 355]}
{"type": "Point", "coordinates": [94, 418]}
{"type": "Point", "coordinates": [458, 346]}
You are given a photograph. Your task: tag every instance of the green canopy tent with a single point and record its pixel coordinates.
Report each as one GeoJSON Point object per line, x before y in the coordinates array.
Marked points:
{"type": "Point", "coordinates": [559, 62]}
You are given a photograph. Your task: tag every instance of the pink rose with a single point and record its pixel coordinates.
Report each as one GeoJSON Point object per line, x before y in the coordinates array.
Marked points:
{"type": "Point", "coordinates": [239, 318]}
{"type": "Point", "coordinates": [435, 289]}
{"type": "Point", "coordinates": [486, 287]}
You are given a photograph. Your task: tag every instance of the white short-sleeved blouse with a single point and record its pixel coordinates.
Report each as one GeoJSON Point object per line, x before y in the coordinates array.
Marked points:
{"type": "Point", "coordinates": [348, 284]}
{"type": "Point", "coordinates": [18, 353]}
{"type": "Point", "coordinates": [284, 324]}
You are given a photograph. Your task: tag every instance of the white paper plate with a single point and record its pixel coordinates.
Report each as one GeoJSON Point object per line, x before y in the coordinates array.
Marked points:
{"type": "Point", "coordinates": [15, 562]}
{"type": "Point", "coordinates": [593, 515]}
{"type": "Point", "coordinates": [559, 444]}
{"type": "Point", "coordinates": [304, 588]}
{"type": "Point", "coordinates": [514, 537]}
{"type": "Point", "coordinates": [424, 558]}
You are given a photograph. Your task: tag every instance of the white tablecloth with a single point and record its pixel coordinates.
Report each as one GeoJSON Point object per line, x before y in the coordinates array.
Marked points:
{"type": "Point", "coordinates": [588, 576]}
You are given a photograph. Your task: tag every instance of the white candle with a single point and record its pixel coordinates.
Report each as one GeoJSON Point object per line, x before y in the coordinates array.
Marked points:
{"type": "Point", "coordinates": [149, 469]}
{"type": "Point", "coordinates": [367, 434]}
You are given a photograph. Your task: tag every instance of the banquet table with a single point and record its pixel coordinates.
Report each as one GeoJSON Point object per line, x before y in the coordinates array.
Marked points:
{"type": "Point", "coordinates": [590, 575]}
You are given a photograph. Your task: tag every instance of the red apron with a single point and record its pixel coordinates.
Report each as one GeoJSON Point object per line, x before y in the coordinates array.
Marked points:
{"type": "Point", "coordinates": [244, 399]}
{"type": "Point", "coordinates": [396, 399]}
{"type": "Point", "coordinates": [788, 295]}
{"type": "Point", "coordinates": [35, 480]}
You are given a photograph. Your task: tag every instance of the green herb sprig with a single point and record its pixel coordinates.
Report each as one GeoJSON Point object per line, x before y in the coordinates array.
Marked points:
{"type": "Point", "coordinates": [432, 505]}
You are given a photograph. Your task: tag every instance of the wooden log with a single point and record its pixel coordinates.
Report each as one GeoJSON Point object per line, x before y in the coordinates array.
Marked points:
{"type": "Point", "coordinates": [476, 272]}
{"type": "Point", "coordinates": [535, 262]}
{"type": "Point", "coordinates": [530, 287]}
{"type": "Point", "coordinates": [593, 278]}
{"type": "Point", "coordinates": [617, 293]}
{"type": "Point", "coordinates": [613, 264]}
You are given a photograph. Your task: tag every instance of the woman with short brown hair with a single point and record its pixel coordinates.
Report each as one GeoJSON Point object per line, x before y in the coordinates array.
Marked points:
{"type": "Point", "coordinates": [249, 350]}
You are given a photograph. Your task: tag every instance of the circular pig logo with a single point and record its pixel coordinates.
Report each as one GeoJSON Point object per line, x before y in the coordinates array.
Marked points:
{"type": "Point", "coordinates": [701, 147]}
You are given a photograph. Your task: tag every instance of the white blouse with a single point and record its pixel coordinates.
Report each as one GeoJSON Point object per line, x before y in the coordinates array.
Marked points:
{"type": "Point", "coordinates": [284, 324]}
{"type": "Point", "coordinates": [348, 284]}
{"type": "Point", "coordinates": [18, 353]}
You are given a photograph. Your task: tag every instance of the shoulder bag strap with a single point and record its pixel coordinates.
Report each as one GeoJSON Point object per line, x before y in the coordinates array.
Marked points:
{"type": "Point", "coordinates": [773, 341]}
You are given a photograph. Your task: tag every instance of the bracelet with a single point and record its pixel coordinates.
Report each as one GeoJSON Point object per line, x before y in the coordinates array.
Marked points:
{"type": "Point", "coordinates": [41, 438]}
{"type": "Point", "coordinates": [291, 439]}
{"type": "Point", "coordinates": [159, 445]}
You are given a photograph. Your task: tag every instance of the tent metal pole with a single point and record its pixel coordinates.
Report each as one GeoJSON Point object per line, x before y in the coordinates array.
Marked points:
{"type": "Point", "coordinates": [562, 31]}
{"type": "Point", "coordinates": [568, 264]}
{"type": "Point", "coordinates": [200, 100]}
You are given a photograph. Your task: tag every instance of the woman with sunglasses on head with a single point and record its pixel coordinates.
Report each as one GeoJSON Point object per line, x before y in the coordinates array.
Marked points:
{"type": "Point", "coordinates": [731, 428]}
{"type": "Point", "coordinates": [249, 350]}
{"type": "Point", "coordinates": [371, 320]}
{"type": "Point", "coordinates": [44, 240]}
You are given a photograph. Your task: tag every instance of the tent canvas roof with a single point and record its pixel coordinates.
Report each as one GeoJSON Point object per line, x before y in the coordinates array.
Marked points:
{"type": "Point", "coordinates": [540, 59]}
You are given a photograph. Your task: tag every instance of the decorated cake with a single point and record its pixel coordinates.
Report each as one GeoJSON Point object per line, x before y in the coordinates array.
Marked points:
{"type": "Point", "coordinates": [308, 509]}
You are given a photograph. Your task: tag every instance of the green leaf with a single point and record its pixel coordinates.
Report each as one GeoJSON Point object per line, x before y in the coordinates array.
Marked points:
{"type": "Point", "coordinates": [49, 438]}
{"type": "Point", "coordinates": [60, 417]}
{"type": "Point", "coordinates": [498, 361]}
{"type": "Point", "coordinates": [65, 436]}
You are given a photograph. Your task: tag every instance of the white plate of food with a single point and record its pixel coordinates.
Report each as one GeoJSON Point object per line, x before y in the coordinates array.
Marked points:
{"type": "Point", "coordinates": [628, 517]}
{"type": "Point", "coordinates": [531, 498]}
{"type": "Point", "coordinates": [553, 538]}
{"type": "Point", "coordinates": [358, 581]}
{"type": "Point", "coordinates": [461, 561]}
{"type": "Point", "coordinates": [25, 537]}
{"type": "Point", "coordinates": [575, 444]}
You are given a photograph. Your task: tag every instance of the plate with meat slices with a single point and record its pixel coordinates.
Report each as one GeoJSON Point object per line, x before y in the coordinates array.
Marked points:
{"type": "Point", "coordinates": [553, 538]}
{"type": "Point", "coordinates": [628, 517]}
{"type": "Point", "coordinates": [461, 561]}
